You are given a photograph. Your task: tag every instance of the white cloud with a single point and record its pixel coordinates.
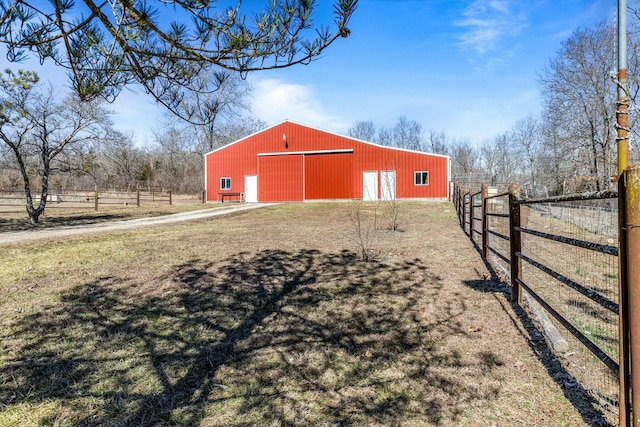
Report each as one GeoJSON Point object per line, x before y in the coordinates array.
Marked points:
{"type": "Point", "coordinates": [486, 22]}
{"type": "Point", "coordinates": [275, 100]}
{"type": "Point", "coordinates": [136, 113]}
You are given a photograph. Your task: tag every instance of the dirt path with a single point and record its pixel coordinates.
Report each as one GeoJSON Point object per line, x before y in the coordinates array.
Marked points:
{"type": "Point", "coordinates": [132, 224]}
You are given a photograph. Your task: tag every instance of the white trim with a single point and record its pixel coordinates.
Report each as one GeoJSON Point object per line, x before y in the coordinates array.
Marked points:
{"type": "Point", "coordinates": [224, 179]}
{"type": "Point", "coordinates": [372, 197]}
{"type": "Point", "coordinates": [449, 179]}
{"type": "Point", "coordinates": [291, 153]}
{"type": "Point", "coordinates": [386, 191]}
{"type": "Point", "coordinates": [255, 178]}
{"type": "Point", "coordinates": [415, 173]}
{"type": "Point", "coordinates": [206, 193]}
{"type": "Point", "coordinates": [362, 141]}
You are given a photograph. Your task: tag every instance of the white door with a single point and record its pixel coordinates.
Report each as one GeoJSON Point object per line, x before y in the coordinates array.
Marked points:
{"type": "Point", "coordinates": [388, 185]}
{"type": "Point", "coordinates": [251, 188]}
{"type": "Point", "coordinates": [370, 186]}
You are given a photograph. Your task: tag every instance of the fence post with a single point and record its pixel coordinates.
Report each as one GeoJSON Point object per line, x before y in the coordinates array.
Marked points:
{"type": "Point", "coordinates": [95, 198]}
{"type": "Point", "coordinates": [458, 210]}
{"type": "Point", "coordinates": [453, 196]}
{"type": "Point", "coordinates": [630, 292]}
{"type": "Point", "coordinates": [468, 193]}
{"type": "Point", "coordinates": [484, 190]}
{"type": "Point", "coordinates": [472, 217]}
{"type": "Point", "coordinates": [138, 196]}
{"type": "Point", "coordinates": [170, 197]}
{"type": "Point", "coordinates": [459, 204]}
{"type": "Point", "coordinates": [461, 208]}
{"type": "Point", "coordinates": [515, 244]}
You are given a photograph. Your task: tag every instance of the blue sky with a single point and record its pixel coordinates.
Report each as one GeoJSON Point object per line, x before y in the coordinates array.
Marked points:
{"type": "Point", "coordinates": [468, 68]}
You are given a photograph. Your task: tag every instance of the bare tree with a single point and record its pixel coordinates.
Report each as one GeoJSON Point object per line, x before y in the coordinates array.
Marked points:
{"type": "Point", "coordinates": [509, 159]}
{"type": "Point", "coordinates": [577, 87]}
{"type": "Point", "coordinates": [560, 159]}
{"type": "Point", "coordinates": [38, 127]}
{"type": "Point", "coordinates": [178, 161]}
{"type": "Point", "coordinates": [180, 146]}
{"type": "Point", "coordinates": [389, 200]}
{"type": "Point", "coordinates": [364, 222]}
{"type": "Point", "coordinates": [363, 130]}
{"type": "Point", "coordinates": [526, 136]}
{"type": "Point", "coordinates": [384, 137]}
{"type": "Point", "coordinates": [221, 99]}
{"type": "Point", "coordinates": [407, 134]}
{"type": "Point", "coordinates": [437, 143]}
{"type": "Point", "coordinates": [232, 131]}
{"type": "Point", "coordinates": [404, 134]}
{"type": "Point", "coordinates": [120, 160]}
{"type": "Point", "coordinates": [489, 157]}
{"type": "Point", "coordinates": [464, 160]}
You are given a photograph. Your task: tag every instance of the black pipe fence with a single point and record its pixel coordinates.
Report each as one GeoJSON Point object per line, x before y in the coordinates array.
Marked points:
{"type": "Point", "coordinates": [560, 256]}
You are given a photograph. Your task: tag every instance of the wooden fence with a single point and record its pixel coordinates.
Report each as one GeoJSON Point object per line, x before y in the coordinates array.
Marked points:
{"type": "Point", "coordinates": [563, 255]}
{"type": "Point", "coordinates": [14, 200]}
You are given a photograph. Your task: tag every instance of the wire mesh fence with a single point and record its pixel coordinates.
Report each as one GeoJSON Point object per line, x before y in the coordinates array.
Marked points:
{"type": "Point", "coordinates": [475, 217]}
{"type": "Point", "coordinates": [567, 259]}
{"type": "Point", "coordinates": [589, 303]}
{"type": "Point", "coordinates": [497, 237]}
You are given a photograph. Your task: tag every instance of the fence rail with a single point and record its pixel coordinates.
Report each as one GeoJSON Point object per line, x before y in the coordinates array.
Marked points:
{"type": "Point", "coordinates": [14, 200]}
{"type": "Point", "coordinates": [560, 254]}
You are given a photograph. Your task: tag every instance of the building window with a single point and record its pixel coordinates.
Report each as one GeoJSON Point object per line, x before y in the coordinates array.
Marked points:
{"type": "Point", "coordinates": [225, 183]}
{"type": "Point", "coordinates": [421, 178]}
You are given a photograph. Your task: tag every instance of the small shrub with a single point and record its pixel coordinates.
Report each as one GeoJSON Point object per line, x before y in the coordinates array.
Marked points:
{"type": "Point", "coordinates": [364, 221]}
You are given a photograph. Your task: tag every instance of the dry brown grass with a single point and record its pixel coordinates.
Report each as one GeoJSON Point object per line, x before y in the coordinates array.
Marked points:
{"type": "Point", "coordinates": [267, 318]}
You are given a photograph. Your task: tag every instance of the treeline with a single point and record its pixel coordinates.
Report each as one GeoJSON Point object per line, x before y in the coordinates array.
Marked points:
{"type": "Point", "coordinates": [56, 140]}
{"type": "Point", "coordinates": [114, 160]}
{"type": "Point", "coordinates": [569, 147]}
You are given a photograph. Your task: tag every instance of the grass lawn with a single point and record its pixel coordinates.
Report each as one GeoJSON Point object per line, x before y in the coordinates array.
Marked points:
{"type": "Point", "coordinates": [267, 318]}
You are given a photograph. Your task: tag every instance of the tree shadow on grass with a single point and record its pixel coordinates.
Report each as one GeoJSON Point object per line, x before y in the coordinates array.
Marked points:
{"type": "Point", "coordinates": [270, 338]}
{"type": "Point", "coordinates": [22, 224]}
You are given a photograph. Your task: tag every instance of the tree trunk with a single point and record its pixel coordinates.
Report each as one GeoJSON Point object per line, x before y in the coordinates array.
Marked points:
{"type": "Point", "coordinates": [594, 150]}
{"type": "Point", "coordinates": [35, 212]}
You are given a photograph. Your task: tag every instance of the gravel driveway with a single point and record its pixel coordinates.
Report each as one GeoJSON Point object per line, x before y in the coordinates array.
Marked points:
{"type": "Point", "coordinates": [132, 224]}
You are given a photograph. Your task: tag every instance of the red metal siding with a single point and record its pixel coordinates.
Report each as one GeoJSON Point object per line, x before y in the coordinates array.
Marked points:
{"type": "Point", "coordinates": [225, 165]}
{"type": "Point", "coordinates": [233, 163]}
{"type": "Point", "coordinates": [405, 163]}
{"type": "Point", "coordinates": [328, 176]}
{"type": "Point", "coordinates": [280, 178]}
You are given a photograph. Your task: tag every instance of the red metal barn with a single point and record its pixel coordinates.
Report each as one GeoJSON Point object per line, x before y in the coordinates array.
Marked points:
{"type": "Point", "coordinates": [290, 162]}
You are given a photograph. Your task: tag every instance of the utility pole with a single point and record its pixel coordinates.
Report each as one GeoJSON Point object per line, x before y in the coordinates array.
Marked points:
{"type": "Point", "coordinates": [622, 106]}
{"type": "Point", "coordinates": [628, 336]}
